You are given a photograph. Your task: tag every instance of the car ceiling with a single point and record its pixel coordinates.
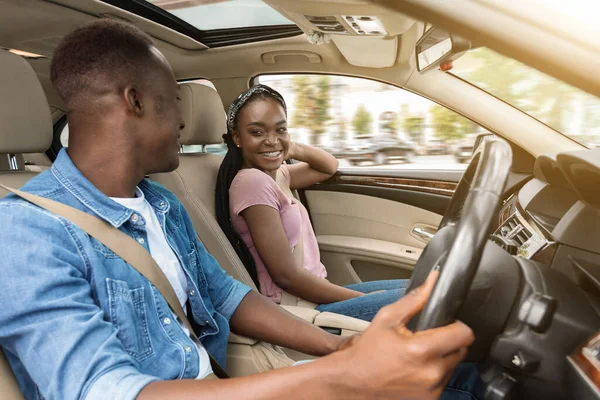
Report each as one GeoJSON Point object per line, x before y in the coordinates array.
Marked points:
{"type": "Point", "coordinates": [37, 26]}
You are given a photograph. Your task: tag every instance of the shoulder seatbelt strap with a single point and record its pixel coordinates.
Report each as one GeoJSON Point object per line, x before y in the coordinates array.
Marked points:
{"type": "Point", "coordinates": [288, 299]}
{"type": "Point", "coordinates": [298, 251]}
{"type": "Point", "coordinates": [125, 247]}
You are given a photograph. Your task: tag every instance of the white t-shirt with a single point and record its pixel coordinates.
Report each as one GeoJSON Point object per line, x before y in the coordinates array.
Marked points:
{"type": "Point", "coordinates": [167, 261]}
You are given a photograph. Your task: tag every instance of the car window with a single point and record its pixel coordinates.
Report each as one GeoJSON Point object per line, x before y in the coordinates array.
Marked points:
{"type": "Point", "coordinates": [562, 107]}
{"type": "Point", "coordinates": [369, 124]}
{"type": "Point", "coordinates": [220, 149]}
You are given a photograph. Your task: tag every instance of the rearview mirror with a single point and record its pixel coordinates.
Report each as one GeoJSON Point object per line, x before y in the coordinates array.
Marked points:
{"type": "Point", "coordinates": [436, 47]}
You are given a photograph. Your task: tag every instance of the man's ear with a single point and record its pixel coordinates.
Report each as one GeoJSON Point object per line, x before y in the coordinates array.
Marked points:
{"type": "Point", "coordinates": [133, 99]}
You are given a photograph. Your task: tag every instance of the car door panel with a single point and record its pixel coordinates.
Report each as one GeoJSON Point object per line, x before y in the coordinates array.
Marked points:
{"type": "Point", "coordinates": [364, 237]}
{"type": "Point", "coordinates": [355, 259]}
{"type": "Point", "coordinates": [431, 195]}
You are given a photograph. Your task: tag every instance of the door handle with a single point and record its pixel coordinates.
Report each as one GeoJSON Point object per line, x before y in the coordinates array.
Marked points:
{"type": "Point", "coordinates": [423, 233]}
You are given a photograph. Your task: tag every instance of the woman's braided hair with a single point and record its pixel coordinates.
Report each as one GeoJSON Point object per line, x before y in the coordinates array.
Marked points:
{"type": "Point", "coordinates": [230, 166]}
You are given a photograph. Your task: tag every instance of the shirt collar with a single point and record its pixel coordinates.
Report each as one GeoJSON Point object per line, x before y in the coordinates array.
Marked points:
{"type": "Point", "coordinates": [103, 206]}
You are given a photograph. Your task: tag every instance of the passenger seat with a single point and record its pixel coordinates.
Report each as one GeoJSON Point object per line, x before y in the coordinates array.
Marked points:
{"type": "Point", "coordinates": [194, 183]}
{"type": "Point", "coordinates": [26, 128]}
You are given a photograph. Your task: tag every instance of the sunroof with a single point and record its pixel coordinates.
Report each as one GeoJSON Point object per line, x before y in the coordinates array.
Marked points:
{"type": "Point", "coordinates": [223, 14]}
{"type": "Point", "coordinates": [214, 23]}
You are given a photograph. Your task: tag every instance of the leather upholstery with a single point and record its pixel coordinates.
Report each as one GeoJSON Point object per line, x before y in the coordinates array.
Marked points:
{"type": "Point", "coordinates": [203, 113]}
{"type": "Point", "coordinates": [24, 112]}
{"type": "Point", "coordinates": [25, 127]}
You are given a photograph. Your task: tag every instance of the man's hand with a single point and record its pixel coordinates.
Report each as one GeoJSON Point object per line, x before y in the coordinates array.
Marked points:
{"type": "Point", "coordinates": [389, 361]}
{"type": "Point", "coordinates": [347, 342]}
{"type": "Point", "coordinates": [386, 362]}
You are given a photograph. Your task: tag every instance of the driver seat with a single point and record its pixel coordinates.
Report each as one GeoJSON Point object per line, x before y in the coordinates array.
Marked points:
{"type": "Point", "coordinates": [26, 128]}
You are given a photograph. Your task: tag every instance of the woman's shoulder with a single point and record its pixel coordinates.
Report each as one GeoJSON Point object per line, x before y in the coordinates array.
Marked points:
{"type": "Point", "coordinates": [253, 187]}
{"type": "Point", "coordinates": [251, 176]}
{"type": "Point", "coordinates": [251, 181]}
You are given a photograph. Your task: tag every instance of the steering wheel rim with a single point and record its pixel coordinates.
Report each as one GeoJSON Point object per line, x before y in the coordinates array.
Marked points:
{"type": "Point", "coordinates": [471, 227]}
{"type": "Point", "coordinates": [454, 210]}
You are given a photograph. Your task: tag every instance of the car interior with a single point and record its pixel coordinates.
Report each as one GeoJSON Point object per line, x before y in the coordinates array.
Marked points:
{"type": "Point", "coordinates": [516, 233]}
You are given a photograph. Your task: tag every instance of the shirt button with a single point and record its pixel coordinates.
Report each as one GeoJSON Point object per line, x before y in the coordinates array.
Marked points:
{"type": "Point", "coordinates": [141, 240]}
{"type": "Point", "coordinates": [162, 204]}
{"type": "Point", "coordinates": [188, 349]}
{"type": "Point", "coordinates": [192, 292]}
{"type": "Point", "coordinates": [167, 321]}
{"type": "Point", "coordinates": [135, 218]}
{"type": "Point", "coordinates": [206, 322]}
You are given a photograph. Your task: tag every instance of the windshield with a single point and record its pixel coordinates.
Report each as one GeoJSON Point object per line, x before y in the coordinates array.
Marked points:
{"type": "Point", "coordinates": [564, 108]}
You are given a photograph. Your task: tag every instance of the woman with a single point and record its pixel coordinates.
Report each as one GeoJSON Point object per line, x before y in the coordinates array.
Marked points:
{"type": "Point", "coordinates": [269, 229]}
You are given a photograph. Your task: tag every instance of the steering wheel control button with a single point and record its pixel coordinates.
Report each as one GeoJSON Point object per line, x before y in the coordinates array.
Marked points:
{"type": "Point", "coordinates": [537, 312]}
{"type": "Point", "coordinates": [525, 362]}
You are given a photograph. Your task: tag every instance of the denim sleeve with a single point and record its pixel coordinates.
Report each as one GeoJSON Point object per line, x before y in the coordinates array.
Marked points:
{"type": "Point", "coordinates": [225, 292]}
{"type": "Point", "coordinates": [49, 320]}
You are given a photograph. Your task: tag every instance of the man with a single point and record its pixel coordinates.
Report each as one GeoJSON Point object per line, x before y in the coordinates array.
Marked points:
{"type": "Point", "coordinates": [78, 322]}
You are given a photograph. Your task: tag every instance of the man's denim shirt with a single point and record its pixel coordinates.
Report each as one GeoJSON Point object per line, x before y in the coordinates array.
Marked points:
{"type": "Point", "coordinates": [76, 321]}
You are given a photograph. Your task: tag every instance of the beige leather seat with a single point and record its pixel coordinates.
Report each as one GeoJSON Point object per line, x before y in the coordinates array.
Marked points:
{"type": "Point", "coordinates": [26, 128]}
{"type": "Point", "coordinates": [195, 180]}
{"type": "Point", "coordinates": [194, 183]}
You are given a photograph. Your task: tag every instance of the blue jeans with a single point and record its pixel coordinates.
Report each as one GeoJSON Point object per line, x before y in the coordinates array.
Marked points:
{"type": "Point", "coordinates": [365, 307]}
{"type": "Point", "coordinates": [465, 383]}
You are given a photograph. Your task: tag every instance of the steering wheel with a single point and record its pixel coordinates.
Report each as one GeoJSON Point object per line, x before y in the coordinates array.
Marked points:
{"type": "Point", "coordinates": [457, 247]}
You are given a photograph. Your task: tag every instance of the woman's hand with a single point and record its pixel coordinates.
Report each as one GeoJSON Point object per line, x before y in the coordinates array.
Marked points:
{"type": "Point", "coordinates": [292, 151]}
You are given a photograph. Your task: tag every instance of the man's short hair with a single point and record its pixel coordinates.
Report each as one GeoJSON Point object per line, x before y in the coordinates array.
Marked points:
{"type": "Point", "coordinates": [98, 58]}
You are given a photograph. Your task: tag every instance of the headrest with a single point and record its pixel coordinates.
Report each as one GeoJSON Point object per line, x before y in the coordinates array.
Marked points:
{"type": "Point", "coordinates": [25, 120]}
{"type": "Point", "coordinates": [203, 113]}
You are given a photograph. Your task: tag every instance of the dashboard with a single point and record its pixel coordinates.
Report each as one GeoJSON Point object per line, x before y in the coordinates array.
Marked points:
{"type": "Point", "coordinates": [553, 224]}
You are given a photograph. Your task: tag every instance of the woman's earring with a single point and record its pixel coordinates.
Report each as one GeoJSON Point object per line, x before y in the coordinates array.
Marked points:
{"type": "Point", "coordinates": [237, 145]}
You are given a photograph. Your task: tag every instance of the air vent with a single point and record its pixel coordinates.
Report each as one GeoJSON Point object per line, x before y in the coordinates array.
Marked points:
{"type": "Point", "coordinates": [514, 229]}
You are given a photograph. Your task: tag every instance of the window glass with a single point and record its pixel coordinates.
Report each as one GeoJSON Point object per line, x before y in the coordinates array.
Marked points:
{"type": "Point", "coordinates": [220, 149]}
{"type": "Point", "coordinates": [562, 107]}
{"type": "Point", "coordinates": [219, 14]}
{"type": "Point", "coordinates": [369, 124]}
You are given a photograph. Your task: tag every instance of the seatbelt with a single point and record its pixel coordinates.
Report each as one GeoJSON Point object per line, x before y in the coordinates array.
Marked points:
{"type": "Point", "coordinates": [288, 299]}
{"type": "Point", "coordinates": [298, 250]}
{"type": "Point", "coordinates": [128, 249]}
